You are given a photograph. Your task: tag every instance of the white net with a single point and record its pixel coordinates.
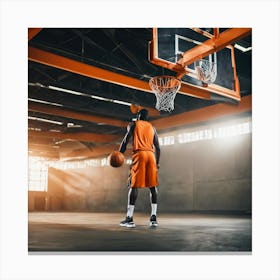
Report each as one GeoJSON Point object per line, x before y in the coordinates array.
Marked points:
{"type": "Point", "coordinates": [165, 89]}
{"type": "Point", "coordinates": [206, 70]}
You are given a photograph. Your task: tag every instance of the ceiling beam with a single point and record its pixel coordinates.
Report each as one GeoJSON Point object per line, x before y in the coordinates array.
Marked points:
{"type": "Point", "coordinates": [153, 112]}
{"type": "Point", "coordinates": [42, 153]}
{"type": "Point", "coordinates": [213, 45]}
{"type": "Point", "coordinates": [41, 141]}
{"type": "Point", "coordinates": [32, 32]}
{"type": "Point", "coordinates": [39, 125]}
{"type": "Point", "coordinates": [204, 114]}
{"type": "Point", "coordinates": [67, 64]}
{"type": "Point", "coordinates": [63, 112]}
{"type": "Point", "coordinates": [81, 136]}
{"type": "Point", "coordinates": [101, 151]}
{"type": "Point", "coordinates": [194, 91]}
{"type": "Point", "coordinates": [45, 155]}
{"type": "Point", "coordinates": [41, 147]}
{"type": "Point", "coordinates": [87, 70]}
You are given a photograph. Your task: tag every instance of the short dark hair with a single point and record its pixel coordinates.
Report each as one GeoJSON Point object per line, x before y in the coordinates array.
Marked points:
{"type": "Point", "coordinates": [143, 114]}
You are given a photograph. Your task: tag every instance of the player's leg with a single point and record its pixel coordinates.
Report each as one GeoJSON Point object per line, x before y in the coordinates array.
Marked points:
{"type": "Point", "coordinates": [132, 196]}
{"type": "Point", "coordinates": [152, 182]}
{"type": "Point", "coordinates": [153, 198]}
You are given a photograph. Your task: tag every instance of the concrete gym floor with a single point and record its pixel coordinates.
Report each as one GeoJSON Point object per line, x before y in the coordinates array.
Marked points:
{"type": "Point", "coordinates": [100, 232]}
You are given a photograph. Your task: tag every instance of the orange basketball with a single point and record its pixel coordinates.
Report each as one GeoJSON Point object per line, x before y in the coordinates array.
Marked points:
{"type": "Point", "coordinates": [134, 108]}
{"type": "Point", "coordinates": [116, 159]}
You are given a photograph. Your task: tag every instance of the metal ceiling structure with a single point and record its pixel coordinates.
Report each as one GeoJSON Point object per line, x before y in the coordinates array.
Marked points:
{"type": "Point", "coordinates": [83, 81]}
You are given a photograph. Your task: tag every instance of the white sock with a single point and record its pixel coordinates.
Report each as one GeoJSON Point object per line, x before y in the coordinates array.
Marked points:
{"type": "Point", "coordinates": [154, 209]}
{"type": "Point", "coordinates": [130, 210]}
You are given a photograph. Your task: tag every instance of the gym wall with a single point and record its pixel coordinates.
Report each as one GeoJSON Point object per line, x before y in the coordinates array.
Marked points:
{"type": "Point", "coordinates": [211, 175]}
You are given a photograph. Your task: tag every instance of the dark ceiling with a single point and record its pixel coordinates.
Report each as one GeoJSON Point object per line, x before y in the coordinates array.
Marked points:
{"type": "Point", "coordinates": [74, 115]}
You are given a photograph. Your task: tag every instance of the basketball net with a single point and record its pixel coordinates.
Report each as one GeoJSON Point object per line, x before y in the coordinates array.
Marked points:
{"type": "Point", "coordinates": [165, 89]}
{"type": "Point", "coordinates": [206, 71]}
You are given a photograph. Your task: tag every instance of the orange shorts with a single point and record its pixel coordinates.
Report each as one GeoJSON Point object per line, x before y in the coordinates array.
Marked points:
{"type": "Point", "coordinates": [143, 171]}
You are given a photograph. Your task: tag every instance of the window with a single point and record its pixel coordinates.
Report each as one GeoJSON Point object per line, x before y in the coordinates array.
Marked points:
{"type": "Point", "coordinates": [195, 136]}
{"type": "Point", "coordinates": [166, 140]}
{"type": "Point", "coordinates": [39, 171]}
{"type": "Point", "coordinates": [37, 174]}
{"type": "Point", "coordinates": [215, 132]}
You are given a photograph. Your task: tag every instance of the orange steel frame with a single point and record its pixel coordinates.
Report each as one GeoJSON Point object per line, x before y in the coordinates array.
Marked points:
{"type": "Point", "coordinates": [97, 73]}
{"type": "Point", "coordinates": [81, 136]}
{"type": "Point", "coordinates": [32, 32]}
{"type": "Point", "coordinates": [216, 42]}
{"type": "Point", "coordinates": [91, 71]}
{"type": "Point", "coordinates": [137, 84]}
{"type": "Point", "coordinates": [213, 45]}
{"type": "Point", "coordinates": [71, 65]}
{"type": "Point", "coordinates": [205, 114]}
{"type": "Point", "coordinates": [58, 111]}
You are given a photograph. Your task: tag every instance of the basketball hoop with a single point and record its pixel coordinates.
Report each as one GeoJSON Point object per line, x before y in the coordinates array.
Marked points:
{"type": "Point", "coordinates": [165, 89]}
{"type": "Point", "coordinates": [206, 71]}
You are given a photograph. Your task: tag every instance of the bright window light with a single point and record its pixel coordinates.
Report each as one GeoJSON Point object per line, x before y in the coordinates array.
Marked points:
{"type": "Point", "coordinates": [79, 163]}
{"type": "Point", "coordinates": [166, 140]}
{"type": "Point", "coordinates": [233, 130]}
{"type": "Point", "coordinates": [37, 174]}
{"type": "Point", "coordinates": [104, 162]}
{"type": "Point", "coordinates": [216, 132]}
{"type": "Point", "coordinates": [195, 136]}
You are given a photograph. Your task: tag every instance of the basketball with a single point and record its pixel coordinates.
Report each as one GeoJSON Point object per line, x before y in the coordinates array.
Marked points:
{"type": "Point", "coordinates": [134, 108]}
{"type": "Point", "coordinates": [116, 159]}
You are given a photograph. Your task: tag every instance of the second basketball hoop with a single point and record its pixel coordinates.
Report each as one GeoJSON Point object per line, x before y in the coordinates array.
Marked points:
{"type": "Point", "coordinates": [206, 70]}
{"type": "Point", "coordinates": [165, 89]}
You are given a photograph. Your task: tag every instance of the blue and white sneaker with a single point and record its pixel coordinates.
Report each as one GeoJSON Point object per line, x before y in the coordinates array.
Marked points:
{"type": "Point", "coordinates": [128, 222]}
{"type": "Point", "coordinates": [153, 221]}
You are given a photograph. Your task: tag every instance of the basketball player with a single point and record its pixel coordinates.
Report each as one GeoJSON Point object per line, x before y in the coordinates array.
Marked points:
{"type": "Point", "coordinates": [145, 164]}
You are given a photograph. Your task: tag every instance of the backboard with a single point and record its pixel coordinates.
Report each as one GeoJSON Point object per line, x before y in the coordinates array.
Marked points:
{"type": "Point", "coordinates": [172, 44]}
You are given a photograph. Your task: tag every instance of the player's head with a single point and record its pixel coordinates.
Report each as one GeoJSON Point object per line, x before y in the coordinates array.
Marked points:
{"type": "Point", "coordinates": [143, 115]}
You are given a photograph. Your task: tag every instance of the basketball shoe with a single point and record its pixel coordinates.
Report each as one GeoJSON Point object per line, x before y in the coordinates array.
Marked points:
{"type": "Point", "coordinates": [153, 221]}
{"type": "Point", "coordinates": [128, 222]}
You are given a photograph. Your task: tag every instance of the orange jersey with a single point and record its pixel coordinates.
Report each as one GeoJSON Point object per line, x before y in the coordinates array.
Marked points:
{"type": "Point", "coordinates": [143, 136]}
{"type": "Point", "coordinates": [143, 169]}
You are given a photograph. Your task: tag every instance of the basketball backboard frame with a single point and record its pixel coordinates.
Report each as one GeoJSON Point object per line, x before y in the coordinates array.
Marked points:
{"type": "Point", "coordinates": [213, 43]}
